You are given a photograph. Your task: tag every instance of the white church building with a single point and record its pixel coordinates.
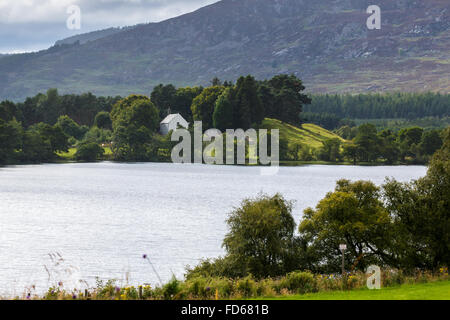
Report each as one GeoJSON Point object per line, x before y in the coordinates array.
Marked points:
{"type": "Point", "coordinates": [171, 122]}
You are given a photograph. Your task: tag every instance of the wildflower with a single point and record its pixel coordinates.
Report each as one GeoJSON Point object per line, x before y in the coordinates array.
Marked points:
{"type": "Point", "coordinates": [74, 296]}
{"type": "Point", "coordinates": [144, 256]}
{"type": "Point", "coordinates": [60, 284]}
{"type": "Point", "coordinates": [117, 289]}
{"type": "Point", "coordinates": [208, 289]}
{"type": "Point", "coordinates": [29, 296]}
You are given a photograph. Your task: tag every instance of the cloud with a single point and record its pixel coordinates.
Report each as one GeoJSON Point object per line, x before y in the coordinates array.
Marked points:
{"type": "Point", "coordinates": [36, 24]}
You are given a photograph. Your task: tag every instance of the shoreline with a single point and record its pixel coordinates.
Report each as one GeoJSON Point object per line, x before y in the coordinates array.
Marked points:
{"type": "Point", "coordinates": [282, 163]}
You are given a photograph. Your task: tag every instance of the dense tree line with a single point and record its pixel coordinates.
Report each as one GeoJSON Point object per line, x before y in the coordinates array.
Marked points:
{"type": "Point", "coordinates": [229, 106]}
{"type": "Point", "coordinates": [37, 143]}
{"type": "Point", "coordinates": [130, 126]}
{"type": "Point", "coordinates": [389, 110]}
{"type": "Point", "coordinates": [367, 144]}
{"type": "Point", "coordinates": [47, 124]}
{"type": "Point", "coordinates": [330, 109]}
{"type": "Point", "coordinates": [428, 123]}
{"type": "Point", "coordinates": [398, 225]}
{"type": "Point", "coordinates": [326, 120]}
{"type": "Point", "coordinates": [50, 106]}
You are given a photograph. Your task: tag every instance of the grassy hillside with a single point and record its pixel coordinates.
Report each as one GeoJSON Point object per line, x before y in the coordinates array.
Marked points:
{"type": "Point", "coordinates": [439, 290]}
{"type": "Point", "coordinates": [308, 134]}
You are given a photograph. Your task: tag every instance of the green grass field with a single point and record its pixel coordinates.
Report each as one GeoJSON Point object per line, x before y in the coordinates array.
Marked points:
{"type": "Point", "coordinates": [308, 134]}
{"type": "Point", "coordinates": [70, 155]}
{"type": "Point", "coordinates": [439, 290]}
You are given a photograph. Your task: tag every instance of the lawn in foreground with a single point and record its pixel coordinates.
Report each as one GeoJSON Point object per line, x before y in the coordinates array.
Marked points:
{"type": "Point", "coordinates": [439, 290]}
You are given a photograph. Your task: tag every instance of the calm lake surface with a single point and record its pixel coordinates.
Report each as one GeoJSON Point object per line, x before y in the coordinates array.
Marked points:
{"type": "Point", "coordinates": [101, 218]}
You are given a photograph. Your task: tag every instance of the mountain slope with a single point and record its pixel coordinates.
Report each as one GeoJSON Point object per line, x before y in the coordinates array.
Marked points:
{"type": "Point", "coordinates": [324, 42]}
{"type": "Point", "coordinates": [91, 36]}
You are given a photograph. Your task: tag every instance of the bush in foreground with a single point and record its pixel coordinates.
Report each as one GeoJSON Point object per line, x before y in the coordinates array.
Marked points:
{"type": "Point", "coordinates": [90, 151]}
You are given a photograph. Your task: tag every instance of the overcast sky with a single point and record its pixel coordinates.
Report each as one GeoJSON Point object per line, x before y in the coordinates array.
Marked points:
{"type": "Point", "coordinates": [31, 25]}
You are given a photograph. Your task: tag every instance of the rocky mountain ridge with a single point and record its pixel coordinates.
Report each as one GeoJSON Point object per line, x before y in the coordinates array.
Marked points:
{"type": "Point", "coordinates": [324, 42]}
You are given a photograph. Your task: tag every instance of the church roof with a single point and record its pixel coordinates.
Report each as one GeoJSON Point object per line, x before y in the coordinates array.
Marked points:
{"type": "Point", "coordinates": [170, 118]}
